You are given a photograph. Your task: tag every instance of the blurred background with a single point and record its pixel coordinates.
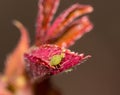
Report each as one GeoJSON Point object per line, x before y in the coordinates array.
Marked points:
{"type": "Point", "coordinates": [98, 76]}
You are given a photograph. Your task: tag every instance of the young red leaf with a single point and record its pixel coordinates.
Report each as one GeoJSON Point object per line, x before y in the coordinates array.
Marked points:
{"type": "Point", "coordinates": [15, 63]}
{"type": "Point", "coordinates": [66, 18]}
{"type": "Point", "coordinates": [47, 9]}
{"type": "Point", "coordinates": [74, 32]}
{"type": "Point", "coordinates": [38, 60]}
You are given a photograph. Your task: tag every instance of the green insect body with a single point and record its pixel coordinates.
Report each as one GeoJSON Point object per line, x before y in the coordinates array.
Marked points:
{"type": "Point", "coordinates": [56, 59]}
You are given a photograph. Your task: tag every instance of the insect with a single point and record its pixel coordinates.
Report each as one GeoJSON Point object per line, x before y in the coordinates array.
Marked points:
{"type": "Point", "coordinates": [56, 59]}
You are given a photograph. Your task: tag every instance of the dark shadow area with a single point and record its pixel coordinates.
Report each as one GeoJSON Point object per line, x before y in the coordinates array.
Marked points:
{"type": "Point", "coordinates": [46, 88]}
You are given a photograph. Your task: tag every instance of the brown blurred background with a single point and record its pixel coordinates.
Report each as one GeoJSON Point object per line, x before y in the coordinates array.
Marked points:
{"type": "Point", "coordinates": [98, 76]}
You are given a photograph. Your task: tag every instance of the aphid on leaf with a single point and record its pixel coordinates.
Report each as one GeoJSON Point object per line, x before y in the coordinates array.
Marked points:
{"type": "Point", "coordinates": [49, 55]}
{"type": "Point", "coordinates": [56, 59]}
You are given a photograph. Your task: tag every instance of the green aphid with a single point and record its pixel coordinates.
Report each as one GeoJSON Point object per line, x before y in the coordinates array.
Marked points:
{"type": "Point", "coordinates": [56, 59]}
